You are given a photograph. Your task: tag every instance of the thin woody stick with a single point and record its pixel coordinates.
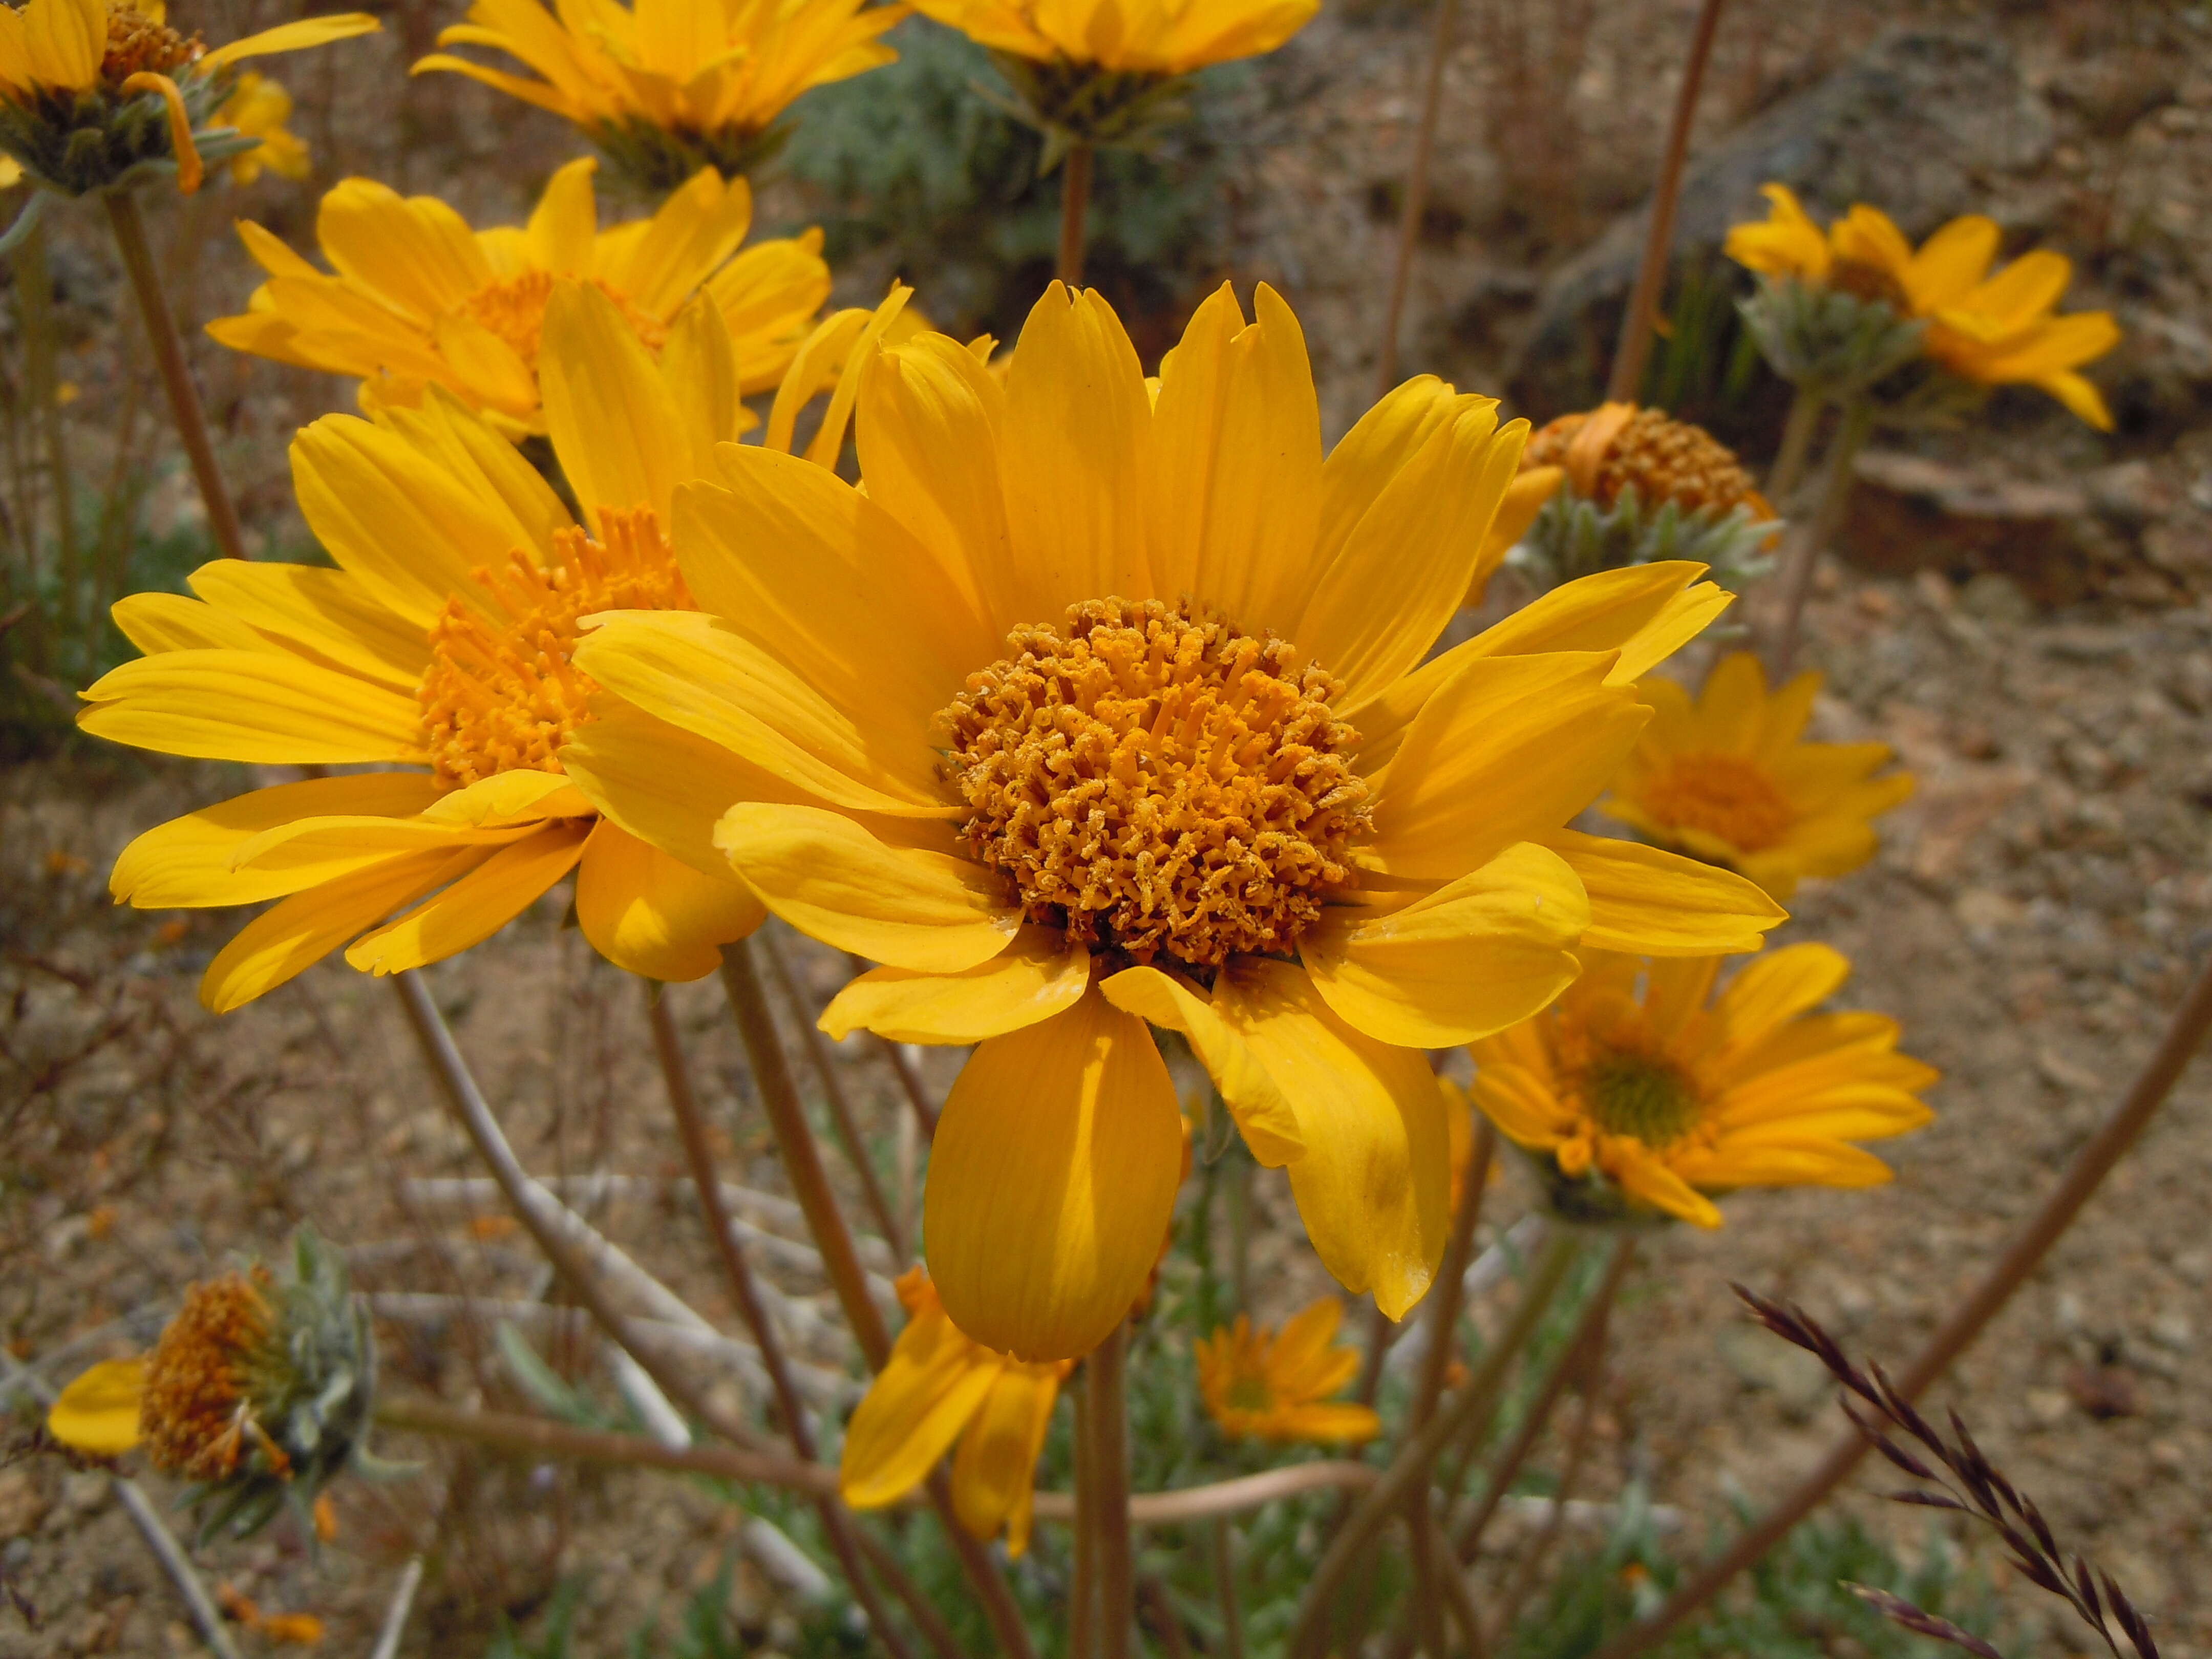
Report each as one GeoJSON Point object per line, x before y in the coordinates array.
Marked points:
{"type": "Point", "coordinates": [1417, 198]}
{"type": "Point", "coordinates": [2090, 1164]}
{"type": "Point", "coordinates": [691, 1129]}
{"type": "Point", "coordinates": [841, 1105]}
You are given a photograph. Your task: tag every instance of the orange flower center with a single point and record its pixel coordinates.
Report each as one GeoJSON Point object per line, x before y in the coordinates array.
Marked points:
{"type": "Point", "coordinates": [1155, 783]}
{"type": "Point", "coordinates": [200, 1378]}
{"type": "Point", "coordinates": [513, 307]}
{"type": "Point", "coordinates": [501, 691]}
{"type": "Point", "coordinates": [1723, 795]}
{"type": "Point", "coordinates": [1249, 1392]}
{"type": "Point", "coordinates": [135, 44]}
{"type": "Point", "coordinates": [1633, 1094]}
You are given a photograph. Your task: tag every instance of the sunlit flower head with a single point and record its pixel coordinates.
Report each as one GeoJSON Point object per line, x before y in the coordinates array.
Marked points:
{"type": "Point", "coordinates": [257, 1392]}
{"type": "Point", "coordinates": [1146, 37]}
{"type": "Point", "coordinates": [417, 299]}
{"type": "Point", "coordinates": [94, 92]}
{"type": "Point", "coordinates": [940, 1388]}
{"type": "Point", "coordinates": [440, 650]}
{"type": "Point", "coordinates": [667, 86]}
{"type": "Point", "coordinates": [1091, 709]}
{"type": "Point", "coordinates": [1643, 1090]}
{"type": "Point", "coordinates": [1993, 327]}
{"type": "Point", "coordinates": [1275, 1385]}
{"type": "Point", "coordinates": [258, 108]}
{"type": "Point", "coordinates": [1731, 777]}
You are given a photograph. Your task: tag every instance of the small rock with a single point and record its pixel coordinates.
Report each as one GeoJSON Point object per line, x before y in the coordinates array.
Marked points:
{"type": "Point", "coordinates": [1982, 912]}
{"type": "Point", "coordinates": [2190, 683]}
{"type": "Point", "coordinates": [1994, 598]}
{"type": "Point", "coordinates": [2173, 1331]}
{"type": "Point", "coordinates": [2048, 1406]}
{"type": "Point", "coordinates": [86, 1493]}
{"type": "Point", "coordinates": [1908, 513]}
{"type": "Point", "coordinates": [2111, 94]}
{"type": "Point", "coordinates": [22, 1505]}
{"type": "Point", "coordinates": [2128, 495]}
{"type": "Point", "coordinates": [2104, 1391]}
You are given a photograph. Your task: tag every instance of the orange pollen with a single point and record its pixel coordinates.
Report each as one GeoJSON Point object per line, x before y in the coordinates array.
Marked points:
{"type": "Point", "coordinates": [1155, 783]}
{"type": "Point", "coordinates": [501, 693]}
{"type": "Point", "coordinates": [137, 44]}
{"type": "Point", "coordinates": [513, 307]}
{"type": "Point", "coordinates": [1723, 795]}
{"type": "Point", "coordinates": [1666, 460]}
{"type": "Point", "coordinates": [200, 1381]}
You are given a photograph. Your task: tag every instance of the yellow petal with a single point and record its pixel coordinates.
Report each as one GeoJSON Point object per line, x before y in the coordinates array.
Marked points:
{"type": "Point", "coordinates": [190, 861]}
{"type": "Point", "coordinates": [1373, 1185]}
{"type": "Point", "coordinates": [1040, 974]}
{"type": "Point", "coordinates": [1381, 443]}
{"type": "Point", "coordinates": [995, 1472]}
{"type": "Point", "coordinates": [1482, 953]}
{"type": "Point", "coordinates": [1264, 1114]}
{"type": "Point", "coordinates": [655, 914]}
{"type": "Point", "coordinates": [698, 673]}
{"type": "Point", "coordinates": [1516, 1100]}
{"type": "Point", "coordinates": [934, 1383]}
{"type": "Point", "coordinates": [293, 36]}
{"type": "Point", "coordinates": [417, 254]}
{"type": "Point", "coordinates": [1778, 986]}
{"type": "Point", "coordinates": [1651, 902]}
{"type": "Point", "coordinates": [613, 423]}
{"type": "Point", "coordinates": [1407, 564]}
{"type": "Point", "coordinates": [1508, 749]}
{"type": "Point", "coordinates": [323, 612]}
{"type": "Point", "coordinates": [65, 40]}
{"type": "Point", "coordinates": [662, 784]}
{"type": "Point", "coordinates": [97, 1414]}
{"type": "Point", "coordinates": [156, 622]}
{"type": "Point", "coordinates": [831, 880]}
{"type": "Point", "coordinates": [1952, 261]}
{"type": "Point", "coordinates": [1078, 426]}
{"type": "Point", "coordinates": [234, 705]}
{"type": "Point", "coordinates": [1052, 1181]}
{"type": "Point", "coordinates": [1233, 477]}
{"type": "Point", "coordinates": [299, 931]}
{"type": "Point", "coordinates": [475, 907]}
{"type": "Point", "coordinates": [1524, 499]}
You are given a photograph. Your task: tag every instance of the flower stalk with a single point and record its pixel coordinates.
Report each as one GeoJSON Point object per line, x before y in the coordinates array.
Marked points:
{"type": "Point", "coordinates": [1074, 204]}
{"type": "Point", "coordinates": [1106, 1501]}
{"type": "Point", "coordinates": [1416, 196]}
{"type": "Point", "coordinates": [1639, 321]}
{"type": "Point", "coordinates": [1804, 554]}
{"type": "Point", "coordinates": [130, 227]}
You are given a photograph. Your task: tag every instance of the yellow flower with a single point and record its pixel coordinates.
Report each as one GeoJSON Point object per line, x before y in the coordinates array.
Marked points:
{"type": "Point", "coordinates": [1093, 708]}
{"type": "Point", "coordinates": [91, 91]}
{"type": "Point", "coordinates": [1666, 1093]}
{"type": "Point", "coordinates": [420, 300]}
{"type": "Point", "coordinates": [258, 108]}
{"type": "Point", "coordinates": [441, 645]}
{"type": "Point", "coordinates": [939, 1387]}
{"type": "Point", "coordinates": [1729, 778]}
{"type": "Point", "coordinates": [1617, 447]}
{"type": "Point", "coordinates": [1996, 328]}
{"type": "Point", "coordinates": [670, 86]}
{"type": "Point", "coordinates": [1275, 1385]}
{"type": "Point", "coordinates": [1146, 37]}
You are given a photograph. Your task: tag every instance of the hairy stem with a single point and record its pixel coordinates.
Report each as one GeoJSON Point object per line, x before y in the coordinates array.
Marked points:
{"type": "Point", "coordinates": [2185, 1036]}
{"type": "Point", "coordinates": [1803, 555]}
{"type": "Point", "coordinates": [1640, 320]}
{"type": "Point", "coordinates": [1074, 203]}
{"type": "Point", "coordinates": [1805, 407]}
{"type": "Point", "coordinates": [176, 375]}
{"type": "Point", "coordinates": [1107, 1499]}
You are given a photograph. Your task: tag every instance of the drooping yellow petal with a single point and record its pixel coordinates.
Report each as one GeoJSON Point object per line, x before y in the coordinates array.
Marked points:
{"type": "Point", "coordinates": [1041, 973]}
{"type": "Point", "coordinates": [475, 906]}
{"type": "Point", "coordinates": [1263, 1113]}
{"type": "Point", "coordinates": [829, 878]}
{"type": "Point", "coordinates": [299, 931]}
{"type": "Point", "coordinates": [995, 1472]}
{"type": "Point", "coordinates": [936, 1380]}
{"type": "Point", "coordinates": [189, 862]}
{"type": "Point", "coordinates": [1373, 1187]}
{"type": "Point", "coordinates": [1051, 1182]}
{"type": "Point", "coordinates": [1482, 953]}
{"type": "Point", "coordinates": [97, 1414]}
{"type": "Point", "coordinates": [190, 168]}
{"type": "Point", "coordinates": [655, 914]}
